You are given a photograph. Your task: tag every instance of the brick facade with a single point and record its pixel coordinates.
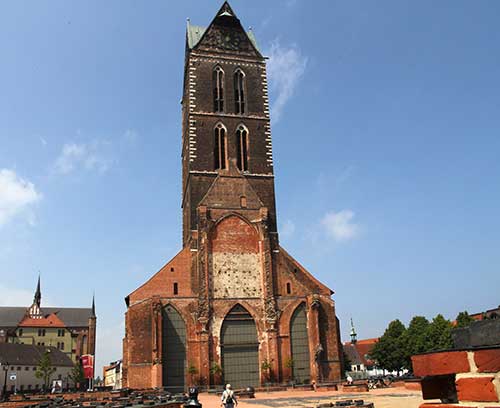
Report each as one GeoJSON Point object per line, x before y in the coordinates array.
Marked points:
{"type": "Point", "coordinates": [231, 253]}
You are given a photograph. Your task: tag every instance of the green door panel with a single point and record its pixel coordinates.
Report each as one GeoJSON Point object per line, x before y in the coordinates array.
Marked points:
{"type": "Point", "coordinates": [300, 345]}
{"type": "Point", "coordinates": [174, 349]}
{"type": "Point", "coordinates": [240, 349]}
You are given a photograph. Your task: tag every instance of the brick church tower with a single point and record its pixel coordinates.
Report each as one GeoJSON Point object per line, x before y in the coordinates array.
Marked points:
{"type": "Point", "coordinates": [232, 305]}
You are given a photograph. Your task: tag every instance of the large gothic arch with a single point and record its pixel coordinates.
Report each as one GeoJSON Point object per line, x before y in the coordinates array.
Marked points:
{"type": "Point", "coordinates": [299, 344]}
{"type": "Point", "coordinates": [240, 348]}
{"type": "Point", "coordinates": [174, 349]}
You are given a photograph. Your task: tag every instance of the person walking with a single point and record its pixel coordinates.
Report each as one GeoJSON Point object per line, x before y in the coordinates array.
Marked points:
{"type": "Point", "coordinates": [228, 398]}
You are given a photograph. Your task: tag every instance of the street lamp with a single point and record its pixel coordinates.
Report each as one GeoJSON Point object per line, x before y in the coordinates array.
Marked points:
{"type": "Point", "coordinates": [4, 389]}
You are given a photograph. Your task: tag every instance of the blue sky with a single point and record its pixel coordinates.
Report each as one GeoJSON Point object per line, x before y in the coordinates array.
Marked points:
{"type": "Point", "coordinates": [386, 120]}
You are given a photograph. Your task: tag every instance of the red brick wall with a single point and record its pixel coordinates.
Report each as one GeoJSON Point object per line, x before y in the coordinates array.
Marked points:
{"type": "Point", "coordinates": [471, 377]}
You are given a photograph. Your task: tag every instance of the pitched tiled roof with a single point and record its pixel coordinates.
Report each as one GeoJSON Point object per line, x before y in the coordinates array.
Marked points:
{"type": "Point", "coordinates": [50, 320]}
{"type": "Point", "coordinates": [358, 353]}
{"type": "Point", "coordinates": [71, 317]}
{"type": "Point", "coordinates": [24, 354]}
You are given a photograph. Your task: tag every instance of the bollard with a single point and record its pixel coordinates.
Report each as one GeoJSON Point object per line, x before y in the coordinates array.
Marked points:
{"type": "Point", "coordinates": [192, 401]}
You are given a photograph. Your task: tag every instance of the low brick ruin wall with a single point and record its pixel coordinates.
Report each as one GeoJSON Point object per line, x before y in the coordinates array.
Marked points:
{"type": "Point", "coordinates": [465, 378]}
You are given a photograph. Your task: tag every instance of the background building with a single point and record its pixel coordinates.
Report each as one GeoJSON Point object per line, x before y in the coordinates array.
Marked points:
{"type": "Point", "coordinates": [21, 361]}
{"type": "Point", "coordinates": [70, 330]}
{"type": "Point", "coordinates": [112, 375]}
{"type": "Point", "coordinates": [232, 305]}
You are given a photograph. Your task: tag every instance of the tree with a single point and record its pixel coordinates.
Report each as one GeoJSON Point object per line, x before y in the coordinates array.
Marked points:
{"type": "Point", "coordinates": [464, 319]}
{"type": "Point", "coordinates": [390, 350]}
{"type": "Point", "coordinates": [77, 376]}
{"type": "Point", "coordinates": [439, 334]}
{"type": "Point", "coordinates": [192, 370]}
{"type": "Point", "coordinates": [266, 368]}
{"type": "Point", "coordinates": [416, 338]}
{"type": "Point", "coordinates": [216, 371]}
{"type": "Point", "coordinates": [44, 370]}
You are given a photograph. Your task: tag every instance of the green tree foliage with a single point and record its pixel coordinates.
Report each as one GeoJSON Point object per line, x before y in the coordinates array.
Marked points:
{"type": "Point", "coordinates": [439, 334]}
{"type": "Point", "coordinates": [464, 319]}
{"type": "Point", "coordinates": [77, 376]}
{"type": "Point", "coordinates": [44, 370]}
{"type": "Point", "coordinates": [394, 349]}
{"type": "Point", "coordinates": [415, 338]}
{"type": "Point", "coordinates": [390, 351]}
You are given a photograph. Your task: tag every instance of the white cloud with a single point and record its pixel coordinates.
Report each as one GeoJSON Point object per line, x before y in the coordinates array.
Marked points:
{"type": "Point", "coordinates": [340, 226]}
{"type": "Point", "coordinates": [287, 229]}
{"type": "Point", "coordinates": [286, 66]}
{"type": "Point", "coordinates": [90, 157]}
{"type": "Point", "coordinates": [17, 196]}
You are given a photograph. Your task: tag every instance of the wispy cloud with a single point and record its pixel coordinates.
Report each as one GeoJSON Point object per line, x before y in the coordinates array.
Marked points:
{"type": "Point", "coordinates": [130, 136]}
{"type": "Point", "coordinates": [86, 156]}
{"type": "Point", "coordinates": [17, 197]}
{"type": "Point", "coordinates": [286, 66]}
{"type": "Point", "coordinates": [287, 229]}
{"type": "Point", "coordinates": [340, 225]}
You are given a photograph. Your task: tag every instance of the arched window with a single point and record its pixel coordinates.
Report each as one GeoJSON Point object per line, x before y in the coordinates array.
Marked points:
{"type": "Point", "coordinates": [220, 147]}
{"type": "Point", "coordinates": [239, 91]}
{"type": "Point", "coordinates": [218, 84]}
{"type": "Point", "coordinates": [242, 147]}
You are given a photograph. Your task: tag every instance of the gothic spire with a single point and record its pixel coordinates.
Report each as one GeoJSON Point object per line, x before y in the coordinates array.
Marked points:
{"type": "Point", "coordinates": [93, 306]}
{"type": "Point", "coordinates": [37, 300]}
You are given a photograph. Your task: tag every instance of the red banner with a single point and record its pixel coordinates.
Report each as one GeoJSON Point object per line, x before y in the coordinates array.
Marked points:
{"type": "Point", "coordinates": [88, 365]}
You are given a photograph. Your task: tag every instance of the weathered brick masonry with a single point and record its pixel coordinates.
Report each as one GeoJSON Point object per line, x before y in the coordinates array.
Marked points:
{"type": "Point", "coordinates": [232, 297]}
{"type": "Point", "coordinates": [468, 378]}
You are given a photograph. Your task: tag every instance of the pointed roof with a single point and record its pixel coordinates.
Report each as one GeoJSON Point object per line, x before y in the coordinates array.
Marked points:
{"type": "Point", "coordinates": [52, 320]}
{"type": "Point", "coordinates": [38, 294]}
{"type": "Point", "coordinates": [225, 14]}
{"type": "Point", "coordinates": [93, 306]}
{"type": "Point", "coordinates": [232, 187]}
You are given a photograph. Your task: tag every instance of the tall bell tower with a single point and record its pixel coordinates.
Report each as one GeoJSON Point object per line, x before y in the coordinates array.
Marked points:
{"type": "Point", "coordinates": [232, 297]}
{"type": "Point", "coordinates": [227, 159]}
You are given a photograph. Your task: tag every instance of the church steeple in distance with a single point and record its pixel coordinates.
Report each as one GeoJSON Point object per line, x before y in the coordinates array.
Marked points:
{"type": "Point", "coordinates": [93, 306]}
{"type": "Point", "coordinates": [354, 336]}
{"type": "Point", "coordinates": [37, 300]}
{"type": "Point", "coordinates": [34, 310]}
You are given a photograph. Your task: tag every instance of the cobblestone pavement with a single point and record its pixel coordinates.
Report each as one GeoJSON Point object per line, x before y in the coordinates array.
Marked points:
{"type": "Point", "coordinates": [382, 398]}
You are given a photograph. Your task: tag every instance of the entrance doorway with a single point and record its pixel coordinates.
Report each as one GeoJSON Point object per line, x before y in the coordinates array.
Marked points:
{"type": "Point", "coordinates": [240, 349]}
{"type": "Point", "coordinates": [174, 349]}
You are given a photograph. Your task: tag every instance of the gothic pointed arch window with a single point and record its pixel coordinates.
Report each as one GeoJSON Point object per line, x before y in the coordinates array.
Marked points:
{"type": "Point", "coordinates": [239, 91]}
{"type": "Point", "coordinates": [220, 147]}
{"type": "Point", "coordinates": [218, 84]}
{"type": "Point", "coordinates": [242, 147]}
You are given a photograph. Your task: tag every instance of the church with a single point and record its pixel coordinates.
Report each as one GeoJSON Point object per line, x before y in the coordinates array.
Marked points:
{"type": "Point", "coordinates": [232, 306]}
{"type": "Point", "coordinates": [69, 329]}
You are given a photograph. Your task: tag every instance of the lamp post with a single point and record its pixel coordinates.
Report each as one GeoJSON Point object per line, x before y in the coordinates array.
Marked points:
{"type": "Point", "coordinates": [4, 388]}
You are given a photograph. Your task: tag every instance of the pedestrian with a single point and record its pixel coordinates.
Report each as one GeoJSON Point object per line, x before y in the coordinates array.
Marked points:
{"type": "Point", "coordinates": [228, 397]}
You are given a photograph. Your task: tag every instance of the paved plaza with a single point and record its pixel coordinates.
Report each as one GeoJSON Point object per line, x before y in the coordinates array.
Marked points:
{"type": "Point", "coordinates": [382, 398]}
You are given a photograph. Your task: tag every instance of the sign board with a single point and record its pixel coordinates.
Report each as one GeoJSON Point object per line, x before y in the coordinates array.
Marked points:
{"type": "Point", "coordinates": [88, 365]}
{"type": "Point", "coordinates": [13, 376]}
